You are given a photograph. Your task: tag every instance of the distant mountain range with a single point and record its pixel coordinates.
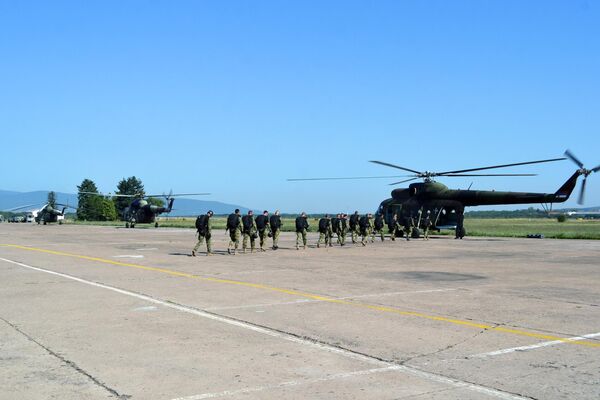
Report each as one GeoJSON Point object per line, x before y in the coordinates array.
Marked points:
{"type": "Point", "coordinates": [182, 207]}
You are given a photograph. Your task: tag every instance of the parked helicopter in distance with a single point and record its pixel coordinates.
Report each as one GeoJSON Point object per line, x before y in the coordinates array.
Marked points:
{"type": "Point", "coordinates": [44, 215]}
{"type": "Point", "coordinates": [140, 211]}
{"type": "Point", "coordinates": [446, 206]}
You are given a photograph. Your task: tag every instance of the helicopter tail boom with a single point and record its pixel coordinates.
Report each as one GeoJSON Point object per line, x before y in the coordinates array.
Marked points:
{"type": "Point", "coordinates": [566, 189]}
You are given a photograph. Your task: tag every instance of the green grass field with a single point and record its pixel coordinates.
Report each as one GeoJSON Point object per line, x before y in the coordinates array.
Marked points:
{"type": "Point", "coordinates": [502, 227]}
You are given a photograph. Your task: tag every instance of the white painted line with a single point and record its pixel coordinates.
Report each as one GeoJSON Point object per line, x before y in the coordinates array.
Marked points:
{"type": "Point", "coordinates": [535, 346]}
{"type": "Point", "coordinates": [146, 308]}
{"type": "Point", "coordinates": [147, 248]}
{"type": "Point", "coordinates": [287, 303]}
{"type": "Point", "coordinates": [289, 337]}
{"type": "Point", "coordinates": [129, 256]}
{"type": "Point", "coordinates": [288, 383]}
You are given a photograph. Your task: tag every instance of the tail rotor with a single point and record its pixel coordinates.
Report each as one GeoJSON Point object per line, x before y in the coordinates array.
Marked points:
{"type": "Point", "coordinates": [582, 171]}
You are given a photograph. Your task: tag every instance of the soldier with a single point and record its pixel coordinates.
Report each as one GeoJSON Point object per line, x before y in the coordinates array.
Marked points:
{"type": "Point", "coordinates": [325, 231]}
{"type": "Point", "coordinates": [249, 231]}
{"type": "Point", "coordinates": [301, 229]}
{"type": "Point", "coordinates": [262, 224]}
{"type": "Point", "coordinates": [204, 228]}
{"type": "Point", "coordinates": [364, 226]}
{"type": "Point", "coordinates": [335, 227]}
{"type": "Point", "coordinates": [275, 224]}
{"type": "Point", "coordinates": [409, 224]}
{"type": "Point", "coordinates": [378, 225]}
{"type": "Point", "coordinates": [394, 226]}
{"type": "Point", "coordinates": [343, 229]}
{"type": "Point", "coordinates": [234, 226]}
{"type": "Point", "coordinates": [460, 221]}
{"type": "Point", "coordinates": [427, 224]}
{"type": "Point", "coordinates": [354, 228]}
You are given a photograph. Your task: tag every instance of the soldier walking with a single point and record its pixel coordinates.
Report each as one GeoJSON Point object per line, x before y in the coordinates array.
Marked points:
{"type": "Point", "coordinates": [343, 229]}
{"type": "Point", "coordinates": [249, 231]}
{"type": "Point", "coordinates": [409, 224]}
{"type": "Point", "coordinates": [335, 227]}
{"type": "Point", "coordinates": [204, 229]}
{"type": "Point", "coordinates": [378, 225]}
{"type": "Point", "coordinates": [394, 226]}
{"type": "Point", "coordinates": [325, 231]}
{"type": "Point", "coordinates": [234, 226]}
{"type": "Point", "coordinates": [275, 224]}
{"type": "Point", "coordinates": [364, 227]}
{"type": "Point", "coordinates": [427, 224]}
{"type": "Point", "coordinates": [354, 228]}
{"type": "Point", "coordinates": [301, 230]}
{"type": "Point", "coordinates": [264, 228]}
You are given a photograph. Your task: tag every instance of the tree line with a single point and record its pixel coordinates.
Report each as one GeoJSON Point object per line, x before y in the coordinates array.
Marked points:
{"type": "Point", "coordinates": [93, 206]}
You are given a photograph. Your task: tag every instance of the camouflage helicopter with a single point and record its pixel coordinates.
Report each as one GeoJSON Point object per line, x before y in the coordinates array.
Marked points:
{"type": "Point", "coordinates": [140, 211]}
{"type": "Point", "coordinates": [51, 214]}
{"type": "Point", "coordinates": [445, 206]}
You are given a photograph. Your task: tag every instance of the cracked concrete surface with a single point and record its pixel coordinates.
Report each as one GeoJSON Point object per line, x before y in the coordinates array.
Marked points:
{"type": "Point", "coordinates": [65, 339]}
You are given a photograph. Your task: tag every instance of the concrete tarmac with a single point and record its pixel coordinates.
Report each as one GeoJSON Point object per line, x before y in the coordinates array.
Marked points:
{"type": "Point", "coordinates": [92, 312]}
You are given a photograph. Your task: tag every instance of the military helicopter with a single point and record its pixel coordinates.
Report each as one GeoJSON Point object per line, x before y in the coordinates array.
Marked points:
{"type": "Point", "coordinates": [446, 206]}
{"type": "Point", "coordinates": [140, 211]}
{"type": "Point", "coordinates": [46, 214]}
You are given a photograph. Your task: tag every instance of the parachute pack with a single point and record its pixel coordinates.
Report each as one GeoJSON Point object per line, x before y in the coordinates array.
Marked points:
{"type": "Point", "coordinates": [232, 222]}
{"type": "Point", "coordinates": [261, 222]}
{"type": "Point", "coordinates": [202, 224]}
{"type": "Point", "coordinates": [323, 225]}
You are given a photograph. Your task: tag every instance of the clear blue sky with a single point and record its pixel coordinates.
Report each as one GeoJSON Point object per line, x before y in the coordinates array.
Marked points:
{"type": "Point", "coordinates": [234, 97]}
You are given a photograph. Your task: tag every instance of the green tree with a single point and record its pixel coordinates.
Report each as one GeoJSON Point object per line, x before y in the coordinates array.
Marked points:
{"type": "Point", "coordinates": [108, 212]}
{"type": "Point", "coordinates": [130, 186]}
{"type": "Point", "coordinates": [52, 199]}
{"type": "Point", "coordinates": [87, 208]}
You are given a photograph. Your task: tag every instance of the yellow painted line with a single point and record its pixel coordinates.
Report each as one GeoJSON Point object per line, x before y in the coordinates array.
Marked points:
{"type": "Point", "coordinates": [385, 309]}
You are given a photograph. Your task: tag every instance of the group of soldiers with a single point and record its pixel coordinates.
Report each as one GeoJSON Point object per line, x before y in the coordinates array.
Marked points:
{"type": "Point", "coordinates": [248, 228]}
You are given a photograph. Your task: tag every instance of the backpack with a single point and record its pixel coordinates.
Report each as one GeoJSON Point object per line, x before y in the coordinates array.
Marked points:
{"type": "Point", "coordinates": [300, 224]}
{"type": "Point", "coordinates": [335, 224]}
{"type": "Point", "coordinates": [363, 222]}
{"type": "Point", "coordinates": [379, 222]}
{"type": "Point", "coordinates": [202, 224]}
{"type": "Point", "coordinates": [232, 222]}
{"type": "Point", "coordinates": [275, 222]}
{"type": "Point", "coordinates": [247, 222]}
{"type": "Point", "coordinates": [353, 221]}
{"type": "Point", "coordinates": [323, 225]}
{"type": "Point", "coordinates": [261, 222]}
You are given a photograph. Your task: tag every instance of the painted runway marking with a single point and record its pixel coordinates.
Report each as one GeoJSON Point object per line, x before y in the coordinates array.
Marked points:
{"type": "Point", "coordinates": [146, 308]}
{"type": "Point", "coordinates": [286, 336]}
{"type": "Point", "coordinates": [286, 303]}
{"type": "Point", "coordinates": [535, 346]}
{"type": "Point", "coordinates": [129, 256]}
{"type": "Point", "coordinates": [147, 248]}
{"type": "Point", "coordinates": [373, 307]}
{"type": "Point", "coordinates": [288, 384]}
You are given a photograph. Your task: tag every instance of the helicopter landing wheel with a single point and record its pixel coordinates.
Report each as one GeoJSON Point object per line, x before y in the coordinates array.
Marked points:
{"type": "Point", "coordinates": [416, 233]}
{"type": "Point", "coordinates": [126, 224]}
{"type": "Point", "coordinates": [461, 232]}
{"type": "Point", "coordinates": [156, 224]}
{"type": "Point", "coordinates": [44, 222]}
{"type": "Point", "coordinates": [60, 222]}
{"type": "Point", "coordinates": [132, 225]}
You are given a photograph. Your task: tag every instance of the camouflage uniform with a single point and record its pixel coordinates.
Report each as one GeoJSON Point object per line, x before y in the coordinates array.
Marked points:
{"type": "Point", "coordinates": [343, 230]}
{"type": "Point", "coordinates": [275, 224]}
{"type": "Point", "coordinates": [427, 225]}
{"type": "Point", "coordinates": [409, 224]}
{"type": "Point", "coordinates": [354, 228]}
{"type": "Point", "coordinates": [266, 229]}
{"type": "Point", "coordinates": [326, 234]}
{"type": "Point", "coordinates": [378, 225]}
{"type": "Point", "coordinates": [394, 227]}
{"type": "Point", "coordinates": [234, 235]}
{"type": "Point", "coordinates": [301, 230]}
{"type": "Point", "coordinates": [207, 236]}
{"type": "Point", "coordinates": [365, 229]}
{"type": "Point", "coordinates": [250, 232]}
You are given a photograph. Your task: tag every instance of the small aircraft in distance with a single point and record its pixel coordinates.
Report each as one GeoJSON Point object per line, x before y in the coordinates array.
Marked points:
{"type": "Point", "coordinates": [140, 211]}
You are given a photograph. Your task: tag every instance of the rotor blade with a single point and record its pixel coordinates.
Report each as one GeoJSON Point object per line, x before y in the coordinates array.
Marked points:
{"type": "Point", "coordinates": [452, 175]}
{"type": "Point", "coordinates": [178, 194]}
{"type": "Point", "coordinates": [582, 192]}
{"type": "Point", "coordinates": [406, 180]}
{"type": "Point", "coordinates": [596, 169]}
{"type": "Point", "coordinates": [395, 166]}
{"type": "Point", "coordinates": [499, 166]}
{"type": "Point", "coordinates": [573, 158]}
{"type": "Point", "coordinates": [21, 207]}
{"type": "Point", "coordinates": [345, 178]}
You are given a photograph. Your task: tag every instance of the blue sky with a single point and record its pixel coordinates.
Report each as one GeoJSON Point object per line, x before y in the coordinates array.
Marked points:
{"type": "Point", "coordinates": [234, 97]}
